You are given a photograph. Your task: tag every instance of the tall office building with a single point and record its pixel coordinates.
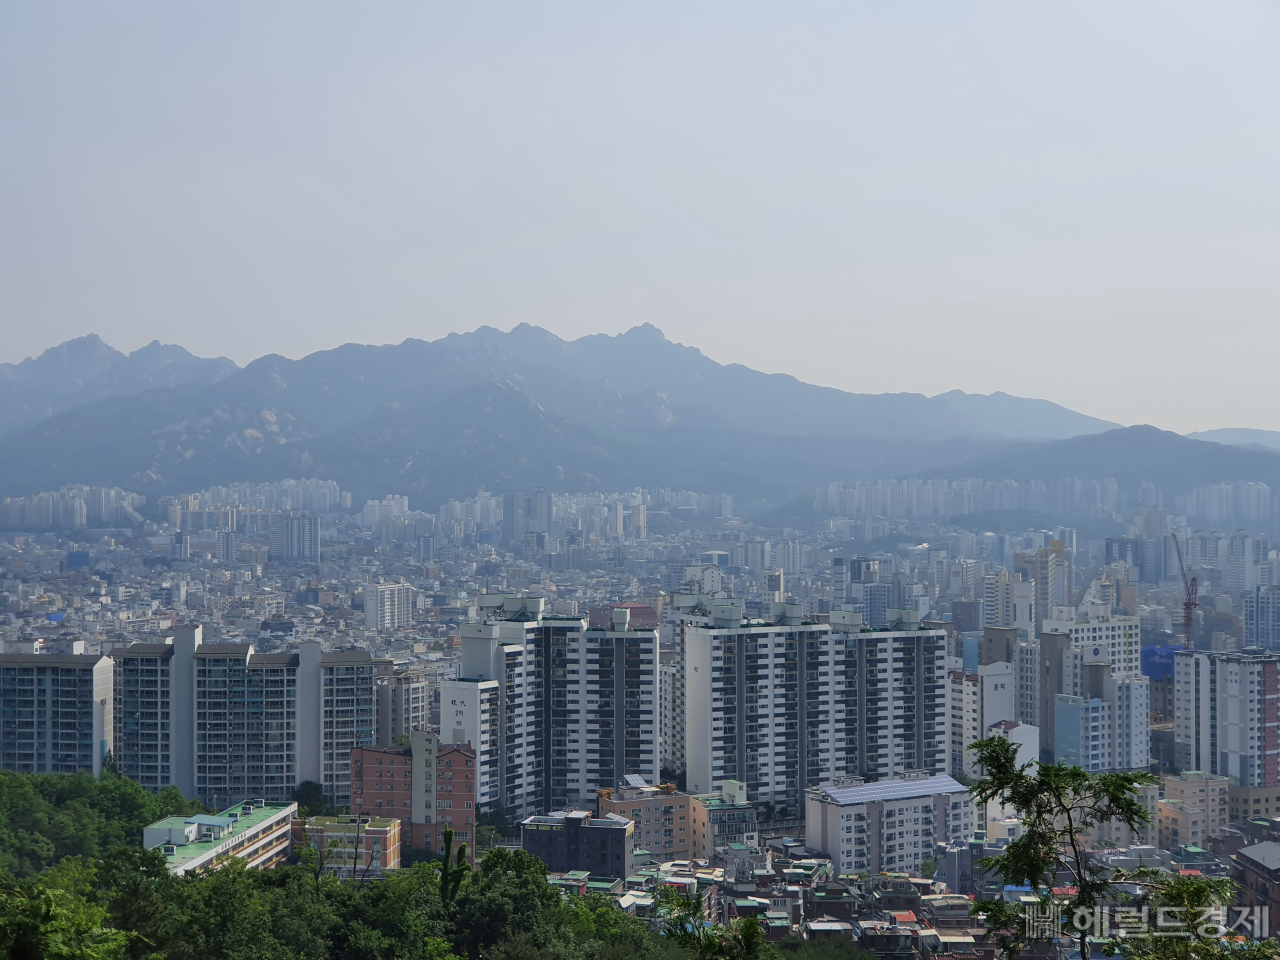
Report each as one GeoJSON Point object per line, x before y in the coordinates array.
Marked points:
{"type": "Point", "coordinates": [295, 539]}
{"type": "Point", "coordinates": [556, 710]}
{"type": "Point", "coordinates": [1226, 718]}
{"type": "Point", "coordinates": [55, 712]}
{"type": "Point", "coordinates": [787, 705]}
{"type": "Point", "coordinates": [387, 606]}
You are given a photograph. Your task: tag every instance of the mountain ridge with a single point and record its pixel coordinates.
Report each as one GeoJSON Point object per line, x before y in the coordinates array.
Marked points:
{"type": "Point", "coordinates": [614, 408]}
{"type": "Point", "coordinates": [87, 370]}
{"type": "Point", "coordinates": [1131, 455]}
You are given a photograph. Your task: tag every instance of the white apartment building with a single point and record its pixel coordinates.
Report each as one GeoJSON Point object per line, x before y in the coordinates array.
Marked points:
{"type": "Point", "coordinates": [891, 825]}
{"type": "Point", "coordinates": [1094, 625]}
{"type": "Point", "coordinates": [403, 703]}
{"type": "Point", "coordinates": [295, 539]}
{"type": "Point", "coordinates": [557, 710]}
{"type": "Point", "coordinates": [1094, 700]}
{"type": "Point", "coordinates": [387, 606]}
{"type": "Point", "coordinates": [1009, 602]}
{"type": "Point", "coordinates": [977, 701]}
{"type": "Point", "coordinates": [56, 712]}
{"type": "Point", "coordinates": [1105, 723]}
{"type": "Point", "coordinates": [1226, 718]}
{"type": "Point", "coordinates": [965, 718]}
{"type": "Point", "coordinates": [222, 721]}
{"type": "Point", "coordinates": [790, 704]}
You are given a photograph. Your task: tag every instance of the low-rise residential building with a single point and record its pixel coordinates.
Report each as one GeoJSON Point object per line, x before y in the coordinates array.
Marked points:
{"type": "Point", "coordinates": [1257, 870]}
{"type": "Point", "coordinates": [575, 840]}
{"type": "Point", "coordinates": [723, 821]}
{"type": "Point", "coordinates": [1206, 792]}
{"type": "Point", "coordinates": [256, 832]}
{"type": "Point", "coordinates": [1194, 809]}
{"type": "Point", "coordinates": [887, 825]}
{"type": "Point", "coordinates": [1113, 833]}
{"type": "Point", "coordinates": [355, 846]}
{"type": "Point", "coordinates": [663, 816]}
{"type": "Point", "coordinates": [1244, 802]}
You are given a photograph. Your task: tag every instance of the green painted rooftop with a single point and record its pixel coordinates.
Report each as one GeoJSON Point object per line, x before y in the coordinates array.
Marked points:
{"type": "Point", "coordinates": [247, 823]}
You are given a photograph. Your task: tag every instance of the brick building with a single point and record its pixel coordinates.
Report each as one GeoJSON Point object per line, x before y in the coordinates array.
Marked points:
{"type": "Point", "coordinates": [662, 815]}
{"type": "Point", "coordinates": [428, 785]}
{"type": "Point", "coordinates": [382, 782]}
{"type": "Point", "coordinates": [455, 798]}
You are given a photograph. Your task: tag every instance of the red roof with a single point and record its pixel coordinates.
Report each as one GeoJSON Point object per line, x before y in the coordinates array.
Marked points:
{"type": "Point", "coordinates": [905, 916]}
{"type": "Point", "coordinates": [1188, 873]}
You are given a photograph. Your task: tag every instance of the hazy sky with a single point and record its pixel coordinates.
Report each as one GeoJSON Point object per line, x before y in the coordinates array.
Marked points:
{"type": "Point", "coordinates": [1076, 201]}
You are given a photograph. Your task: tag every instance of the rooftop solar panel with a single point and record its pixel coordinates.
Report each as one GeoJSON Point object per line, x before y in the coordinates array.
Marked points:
{"type": "Point", "coordinates": [894, 789]}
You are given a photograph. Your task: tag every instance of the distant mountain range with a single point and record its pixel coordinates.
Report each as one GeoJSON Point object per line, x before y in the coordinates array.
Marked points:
{"type": "Point", "coordinates": [525, 408]}
{"type": "Point", "coordinates": [1241, 437]}
{"type": "Point", "coordinates": [1133, 456]}
{"type": "Point", "coordinates": [83, 370]}
{"type": "Point", "coordinates": [503, 410]}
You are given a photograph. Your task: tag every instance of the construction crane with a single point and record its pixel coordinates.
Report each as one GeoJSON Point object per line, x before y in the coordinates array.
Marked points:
{"type": "Point", "coordinates": [1190, 602]}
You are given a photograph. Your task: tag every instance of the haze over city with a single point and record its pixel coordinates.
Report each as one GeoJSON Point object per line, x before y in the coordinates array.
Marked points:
{"type": "Point", "coordinates": [1024, 187]}
{"type": "Point", "coordinates": [668, 482]}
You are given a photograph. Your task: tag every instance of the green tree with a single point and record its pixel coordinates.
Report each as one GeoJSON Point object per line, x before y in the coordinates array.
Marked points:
{"type": "Point", "coordinates": [1058, 804]}
{"type": "Point", "coordinates": [309, 796]}
{"type": "Point", "coordinates": [507, 892]}
{"type": "Point", "coordinates": [823, 948]}
{"type": "Point", "coordinates": [486, 836]}
{"type": "Point", "coordinates": [46, 817]}
{"type": "Point", "coordinates": [928, 867]}
{"type": "Point", "coordinates": [685, 924]}
{"type": "Point", "coordinates": [496, 817]}
{"type": "Point", "coordinates": [452, 874]}
{"type": "Point", "coordinates": [39, 921]}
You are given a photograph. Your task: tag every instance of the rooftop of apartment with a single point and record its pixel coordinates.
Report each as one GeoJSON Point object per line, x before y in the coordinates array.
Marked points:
{"type": "Point", "coordinates": [905, 788]}
{"type": "Point", "coordinates": [583, 817]}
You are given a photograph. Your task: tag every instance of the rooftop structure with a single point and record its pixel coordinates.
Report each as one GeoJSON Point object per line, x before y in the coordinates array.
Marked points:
{"type": "Point", "coordinates": [257, 832]}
